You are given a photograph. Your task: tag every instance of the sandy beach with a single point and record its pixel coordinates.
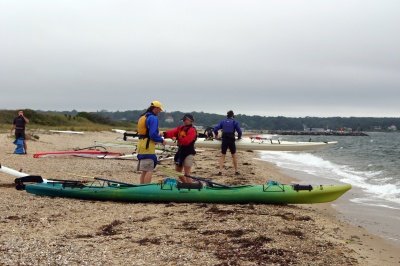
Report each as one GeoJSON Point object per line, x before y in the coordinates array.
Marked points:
{"type": "Point", "coordinates": [41, 230]}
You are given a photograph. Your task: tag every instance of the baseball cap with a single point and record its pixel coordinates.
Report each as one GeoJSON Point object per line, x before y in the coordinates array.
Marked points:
{"type": "Point", "coordinates": [157, 104]}
{"type": "Point", "coordinates": [188, 116]}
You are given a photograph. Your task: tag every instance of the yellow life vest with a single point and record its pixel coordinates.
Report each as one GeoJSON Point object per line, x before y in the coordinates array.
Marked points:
{"type": "Point", "coordinates": [145, 144]}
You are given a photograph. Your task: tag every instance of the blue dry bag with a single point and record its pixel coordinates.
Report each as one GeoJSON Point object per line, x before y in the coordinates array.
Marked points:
{"type": "Point", "coordinates": [20, 146]}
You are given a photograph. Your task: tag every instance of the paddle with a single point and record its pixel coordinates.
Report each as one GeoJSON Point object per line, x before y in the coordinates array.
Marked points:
{"type": "Point", "coordinates": [120, 183]}
{"type": "Point", "coordinates": [84, 176]}
{"type": "Point", "coordinates": [207, 181]}
{"type": "Point", "coordinates": [126, 135]}
{"type": "Point", "coordinates": [202, 179]}
{"type": "Point", "coordinates": [105, 180]}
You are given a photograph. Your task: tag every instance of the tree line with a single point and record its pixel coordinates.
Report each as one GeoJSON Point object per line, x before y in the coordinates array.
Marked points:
{"type": "Point", "coordinates": [171, 119]}
{"type": "Point", "coordinates": [266, 123]}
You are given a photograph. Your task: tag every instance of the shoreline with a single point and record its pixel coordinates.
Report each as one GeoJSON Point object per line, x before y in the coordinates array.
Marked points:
{"type": "Point", "coordinates": [78, 232]}
{"type": "Point", "coordinates": [380, 221]}
{"type": "Point", "coordinates": [373, 248]}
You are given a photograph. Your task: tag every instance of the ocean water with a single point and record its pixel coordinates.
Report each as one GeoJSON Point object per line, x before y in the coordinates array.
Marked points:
{"type": "Point", "coordinates": [371, 164]}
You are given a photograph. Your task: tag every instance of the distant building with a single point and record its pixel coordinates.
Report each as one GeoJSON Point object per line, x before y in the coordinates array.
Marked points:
{"type": "Point", "coordinates": [199, 128]}
{"type": "Point", "coordinates": [345, 130]}
{"type": "Point", "coordinates": [377, 128]}
{"type": "Point", "coordinates": [317, 129]}
{"type": "Point", "coordinates": [392, 128]}
{"type": "Point", "coordinates": [169, 119]}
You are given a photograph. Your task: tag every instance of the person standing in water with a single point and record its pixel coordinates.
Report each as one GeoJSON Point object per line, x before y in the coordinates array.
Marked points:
{"type": "Point", "coordinates": [229, 126]}
{"type": "Point", "coordinates": [149, 135]}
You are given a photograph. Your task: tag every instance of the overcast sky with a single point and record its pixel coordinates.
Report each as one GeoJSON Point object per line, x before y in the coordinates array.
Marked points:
{"type": "Point", "coordinates": [281, 57]}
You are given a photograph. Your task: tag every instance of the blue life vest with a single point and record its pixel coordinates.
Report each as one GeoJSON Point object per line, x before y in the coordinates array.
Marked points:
{"type": "Point", "coordinates": [228, 126]}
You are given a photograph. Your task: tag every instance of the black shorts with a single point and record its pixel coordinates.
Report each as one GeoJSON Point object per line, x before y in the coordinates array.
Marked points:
{"type": "Point", "coordinates": [19, 134]}
{"type": "Point", "coordinates": [228, 144]}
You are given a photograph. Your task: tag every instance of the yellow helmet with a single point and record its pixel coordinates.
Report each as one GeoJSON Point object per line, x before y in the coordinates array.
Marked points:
{"type": "Point", "coordinates": [157, 104]}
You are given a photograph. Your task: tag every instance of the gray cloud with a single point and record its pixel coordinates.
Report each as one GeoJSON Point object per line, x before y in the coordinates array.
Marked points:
{"type": "Point", "coordinates": [293, 58]}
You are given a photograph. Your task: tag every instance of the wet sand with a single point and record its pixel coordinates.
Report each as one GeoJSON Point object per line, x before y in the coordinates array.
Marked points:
{"type": "Point", "coordinates": [383, 222]}
{"type": "Point", "coordinates": [41, 230]}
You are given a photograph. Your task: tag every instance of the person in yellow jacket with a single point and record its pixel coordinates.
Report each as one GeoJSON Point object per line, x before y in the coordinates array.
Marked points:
{"type": "Point", "coordinates": [149, 135]}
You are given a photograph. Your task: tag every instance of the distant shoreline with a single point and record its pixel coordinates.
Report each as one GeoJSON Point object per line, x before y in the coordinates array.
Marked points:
{"type": "Point", "coordinates": [317, 133]}
{"type": "Point", "coordinates": [102, 119]}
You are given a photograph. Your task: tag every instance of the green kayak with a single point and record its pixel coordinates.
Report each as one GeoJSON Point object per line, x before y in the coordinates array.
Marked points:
{"type": "Point", "coordinates": [170, 190]}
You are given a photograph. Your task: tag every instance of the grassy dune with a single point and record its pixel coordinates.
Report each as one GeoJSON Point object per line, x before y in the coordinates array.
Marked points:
{"type": "Point", "coordinates": [46, 121]}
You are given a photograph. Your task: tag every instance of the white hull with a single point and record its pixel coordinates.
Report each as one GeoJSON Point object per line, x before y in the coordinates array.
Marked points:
{"type": "Point", "coordinates": [12, 172]}
{"type": "Point", "coordinates": [67, 132]}
{"type": "Point", "coordinates": [248, 144]}
{"type": "Point", "coordinates": [258, 145]}
{"type": "Point", "coordinates": [16, 173]}
{"type": "Point", "coordinates": [116, 130]}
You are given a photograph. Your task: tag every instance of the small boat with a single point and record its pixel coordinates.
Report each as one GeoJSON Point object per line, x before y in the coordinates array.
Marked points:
{"type": "Point", "coordinates": [250, 143]}
{"type": "Point", "coordinates": [67, 132]}
{"type": "Point", "coordinates": [264, 145]}
{"type": "Point", "coordinates": [78, 153]}
{"type": "Point", "coordinates": [98, 154]}
{"type": "Point", "coordinates": [116, 130]}
{"type": "Point", "coordinates": [171, 190]}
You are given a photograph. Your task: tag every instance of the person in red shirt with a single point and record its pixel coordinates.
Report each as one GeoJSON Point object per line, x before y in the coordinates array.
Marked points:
{"type": "Point", "coordinates": [186, 136]}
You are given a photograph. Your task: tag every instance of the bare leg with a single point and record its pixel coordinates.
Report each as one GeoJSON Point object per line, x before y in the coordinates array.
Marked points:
{"type": "Point", "coordinates": [148, 176]}
{"type": "Point", "coordinates": [187, 170]}
{"type": "Point", "coordinates": [221, 162]}
{"type": "Point", "coordinates": [145, 177]}
{"type": "Point", "coordinates": [181, 177]}
{"type": "Point", "coordinates": [234, 159]}
{"type": "Point", "coordinates": [178, 168]}
{"type": "Point", "coordinates": [142, 175]}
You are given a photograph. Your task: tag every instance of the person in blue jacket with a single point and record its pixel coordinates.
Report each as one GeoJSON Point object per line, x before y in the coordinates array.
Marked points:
{"type": "Point", "coordinates": [229, 126]}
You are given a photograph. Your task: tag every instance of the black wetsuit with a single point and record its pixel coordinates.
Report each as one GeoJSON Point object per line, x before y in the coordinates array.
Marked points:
{"type": "Point", "coordinates": [19, 123]}
{"type": "Point", "coordinates": [229, 126]}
